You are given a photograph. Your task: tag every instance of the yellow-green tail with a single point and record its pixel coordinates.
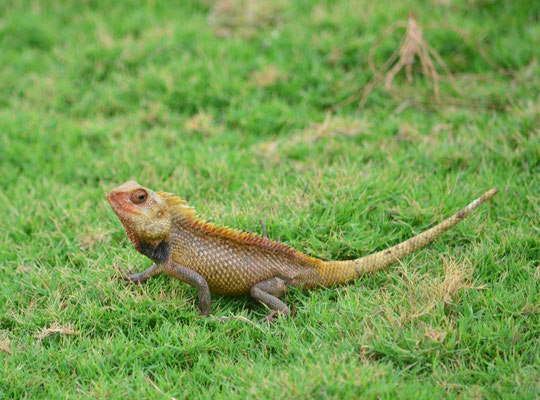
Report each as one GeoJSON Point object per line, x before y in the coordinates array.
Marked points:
{"type": "Point", "coordinates": [336, 272]}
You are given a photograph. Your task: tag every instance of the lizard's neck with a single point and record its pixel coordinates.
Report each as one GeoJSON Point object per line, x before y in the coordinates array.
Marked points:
{"type": "Point", "coordinates": [159, 252]}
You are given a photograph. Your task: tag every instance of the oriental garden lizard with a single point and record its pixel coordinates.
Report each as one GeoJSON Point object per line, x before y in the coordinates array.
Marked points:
{"type": "Point", "coordinates": [227, 261]}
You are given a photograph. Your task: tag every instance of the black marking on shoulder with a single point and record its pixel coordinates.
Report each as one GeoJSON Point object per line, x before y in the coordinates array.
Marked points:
{"type": "Point", "coordinates": [158, 253]}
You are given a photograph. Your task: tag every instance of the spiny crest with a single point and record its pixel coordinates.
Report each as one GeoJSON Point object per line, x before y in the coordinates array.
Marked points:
{"type": "Point", "coordinates": [179, 208]}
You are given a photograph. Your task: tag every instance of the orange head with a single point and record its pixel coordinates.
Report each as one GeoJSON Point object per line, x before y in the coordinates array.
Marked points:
{"type": "Point", "coordinates": [144, 214]}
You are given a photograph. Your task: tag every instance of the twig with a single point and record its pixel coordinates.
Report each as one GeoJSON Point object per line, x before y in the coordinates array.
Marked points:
{"type": "Point", "coordinates": [263, 228]}
{"type": "Point", "coordinates": [304, 191]}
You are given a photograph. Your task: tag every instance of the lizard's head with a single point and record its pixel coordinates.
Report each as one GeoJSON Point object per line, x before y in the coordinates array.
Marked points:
{"type": "Point", "coordinates": [144, 214]}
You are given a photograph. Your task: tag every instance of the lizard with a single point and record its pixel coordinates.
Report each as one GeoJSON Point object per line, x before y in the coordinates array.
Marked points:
{"type": "Point", "coordinates": [226, 261]}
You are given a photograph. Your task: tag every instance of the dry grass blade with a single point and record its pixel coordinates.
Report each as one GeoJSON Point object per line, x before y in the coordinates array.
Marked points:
{"type": "Point", "coordinates": [56, 329]}
{"type": "Point", "coordinates": [203, 123]}
{"type": "Point", "coordinates": [456, 278]}
{"type": "Point", "coordinates": [267, 76]}
{"type": "Point", "coordinates": [331, 127]}
{"type": "Point", "coordinates": [147, 378]}
{"type": "Point", "coordinates": [463, 33]}
{"type": "Point", "coordinates": [435, 334]}
{"type": "Point", "coordinates": [413, 46]}
{"type": "Point", "coordinates": [244, 18]}
{"type": "Point", "coordinates": [90, 240]}
{"type": "Point", "coordinates": [5, 345]}
{"type": "Point", "coordinates": [239, 318]}
{"type": "Point", "coordinates": [425, 292]}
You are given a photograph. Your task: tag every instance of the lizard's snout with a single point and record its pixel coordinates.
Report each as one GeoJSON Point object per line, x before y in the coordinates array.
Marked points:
{"type": "Point", "coordinates": [120, 202]}
{"type": "Point", "coordinates": [115, 199]}
{"type": "Point", "coordinates": [111, 197]}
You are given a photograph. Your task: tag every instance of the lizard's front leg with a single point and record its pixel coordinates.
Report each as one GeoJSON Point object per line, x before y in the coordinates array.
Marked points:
{"type": "Point", "coordinates": [194, 279]}
{"type": "Point", "coordinates": [132, 277]}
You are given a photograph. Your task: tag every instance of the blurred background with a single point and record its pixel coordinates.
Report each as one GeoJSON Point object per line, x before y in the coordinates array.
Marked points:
{"type": "Point", "coordinates": [345, 125]}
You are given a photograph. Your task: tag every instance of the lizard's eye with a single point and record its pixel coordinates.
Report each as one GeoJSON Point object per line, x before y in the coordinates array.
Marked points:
{"type": "Point", "coordinates": [138, 196]}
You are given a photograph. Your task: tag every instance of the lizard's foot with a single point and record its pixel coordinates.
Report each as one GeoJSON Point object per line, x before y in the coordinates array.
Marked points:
{"type": "Point", "coordinates": [271, 317]}
{"type": "Point", "coordinates": [133, 277]}
{"type": "Point", "coordinates": [128, 277]}
{"type": "Point", "coordinates": [205, 313]}
{"type": "Point", "coordinates": [267, 292]}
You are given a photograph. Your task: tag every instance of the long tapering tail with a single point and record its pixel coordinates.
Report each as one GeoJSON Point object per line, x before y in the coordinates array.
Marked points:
{"type": "Point", "coordinates": [335, 272]}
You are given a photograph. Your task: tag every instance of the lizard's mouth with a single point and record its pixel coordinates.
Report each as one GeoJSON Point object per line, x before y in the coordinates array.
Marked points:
{"type": "Point", "coordinates": [121, 204]}
{"type": "Point", "coordinates": [123, 208]}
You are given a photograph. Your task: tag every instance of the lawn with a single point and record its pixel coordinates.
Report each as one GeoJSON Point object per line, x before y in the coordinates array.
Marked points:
{"type": "Point", "coordinates": [259, 111]}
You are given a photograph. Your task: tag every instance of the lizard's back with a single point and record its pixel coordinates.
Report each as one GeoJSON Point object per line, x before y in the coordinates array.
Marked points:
{"type": "Point", "coordinates": [232, 262]}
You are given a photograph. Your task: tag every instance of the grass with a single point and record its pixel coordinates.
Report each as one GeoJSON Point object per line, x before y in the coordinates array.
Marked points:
{"type": "Point", "coordinates": [226, 104]}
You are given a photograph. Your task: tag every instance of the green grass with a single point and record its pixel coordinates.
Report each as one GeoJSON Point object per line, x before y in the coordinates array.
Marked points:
{"type": "Point", "coordinates": [230, 110]}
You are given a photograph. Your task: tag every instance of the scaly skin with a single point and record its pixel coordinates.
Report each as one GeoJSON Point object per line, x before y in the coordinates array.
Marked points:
{"type": "Point", "coordinates": [231, 262]}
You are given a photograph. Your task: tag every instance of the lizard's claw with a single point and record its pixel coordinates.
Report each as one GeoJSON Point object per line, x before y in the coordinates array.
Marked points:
{"type": "Point", "coordinates": [128, 277]}
{"type": "Point", "coordinates": [271, 317]}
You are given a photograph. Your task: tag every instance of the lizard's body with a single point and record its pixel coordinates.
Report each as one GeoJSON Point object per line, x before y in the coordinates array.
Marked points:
{"type": "Point", "coordinates": [231, 262]}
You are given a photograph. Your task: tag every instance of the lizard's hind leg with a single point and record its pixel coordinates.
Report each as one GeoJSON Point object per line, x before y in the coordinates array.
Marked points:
{"type": "Point", "coordinates": [268, 292]}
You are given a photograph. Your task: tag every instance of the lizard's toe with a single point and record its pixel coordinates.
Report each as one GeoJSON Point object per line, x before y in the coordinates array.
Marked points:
{"type": "Point", "coordinates": [204, 313]}
{"type": "Point", "coordinates": [128, 277]}
{"type": "Point", "coordinates": [271, 317]}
